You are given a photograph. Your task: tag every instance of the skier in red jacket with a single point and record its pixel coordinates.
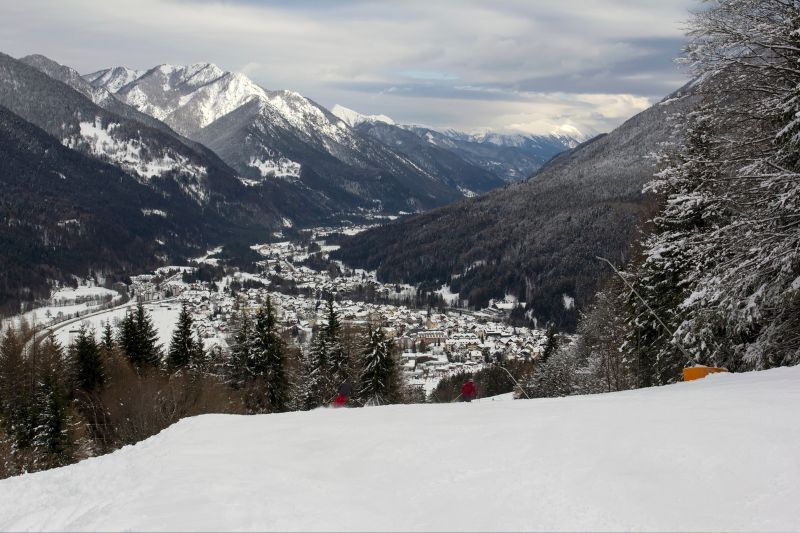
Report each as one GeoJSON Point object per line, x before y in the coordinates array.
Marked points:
{"type": "Point", "coordinates": [343, 393]}
{"type": "Point", "coordinates": [468, 391]}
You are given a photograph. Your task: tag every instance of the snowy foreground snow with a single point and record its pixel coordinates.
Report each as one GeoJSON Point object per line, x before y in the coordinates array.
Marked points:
{"type": "Point", "coordinates": [715, 454]}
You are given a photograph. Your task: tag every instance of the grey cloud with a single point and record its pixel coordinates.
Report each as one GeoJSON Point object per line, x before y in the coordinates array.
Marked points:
{"type": "Point", "coordinates": [460, 63]}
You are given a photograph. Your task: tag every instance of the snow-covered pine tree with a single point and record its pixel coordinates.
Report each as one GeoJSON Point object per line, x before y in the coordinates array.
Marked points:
{"type": "Point", "coordinates": [138, 338]}
{"type": "Point", "coordinates": [675, 254]}
{"type": "Point", "coordinates": [49, 414]}
{"type": "Point", "coordinates": [556, 376]}
{"type": "Point", "coordinates": [600, 334]}
{"type": "Point", "coordinates": [50, 435]}
{"type": "Point", "coordinates": [336, 356]}
{"type": "Point", "coordinates": [256, 368]}
{"type": "Point", "coordinates": [267, 361]}
{"type": "Point", "coordinates": [269, 343]}
{"type": "Point", "coordinates": [744, 310]}
{"type": "Point", "coordinates": [551, 343]}
{"type": "Point", "coordinates": [86, 362]}
{"type": "Point", "coordinates": [237, 370]}
{"type": "Point", "coordinates": [380, 381]}
{"type": "Point", "coordinates": [317, 388]}
{"type": "Point", "coordinates": [326, 364]}
{"type": "Point", "coordinates": [260, 345]}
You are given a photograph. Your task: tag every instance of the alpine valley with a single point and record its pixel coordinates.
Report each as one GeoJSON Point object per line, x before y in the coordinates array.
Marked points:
{"type": "Point", "coordinates": [536, 240]}
{"type": "Point", "coordinates": [224, 306]}
{"type": "Point", "coordinates": [201, 157]}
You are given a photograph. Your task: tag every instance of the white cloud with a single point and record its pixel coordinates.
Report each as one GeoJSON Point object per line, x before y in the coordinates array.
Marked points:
{"type": "Point", "coordinates": [527, 63]}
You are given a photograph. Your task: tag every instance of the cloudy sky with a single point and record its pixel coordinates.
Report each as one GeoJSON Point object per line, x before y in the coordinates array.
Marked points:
{"type": "Point", "coordinates": [515, 65]}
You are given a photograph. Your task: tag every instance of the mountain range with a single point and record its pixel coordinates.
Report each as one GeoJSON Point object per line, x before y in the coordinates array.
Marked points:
{"type": "Point", "coordinates": [511, 157]}
{"type": "Point", "coordinates": [114, 194]}
{"type": "Point", "coordinates": [200, 156]}
{"type": "Point", "coordinates": [337, 159]}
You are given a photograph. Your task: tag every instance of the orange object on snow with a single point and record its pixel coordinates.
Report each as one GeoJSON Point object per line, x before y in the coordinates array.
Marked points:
{"type": "Point", "coordinates": [698, 372]}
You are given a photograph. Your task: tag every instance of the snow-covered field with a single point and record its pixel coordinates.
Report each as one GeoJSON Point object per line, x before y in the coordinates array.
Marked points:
{"type": "Point", "coordinates": [64, 303]}
{"type": "Point", "coordinates": [719, 454]}
{"type": "Point", "coordinates": [164, 316]}
{"type": "Point", "coordinates": [82, 293]}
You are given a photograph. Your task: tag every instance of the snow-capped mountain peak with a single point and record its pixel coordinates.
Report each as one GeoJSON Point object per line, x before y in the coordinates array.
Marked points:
{"type": "Point", "coordinates": [191, 97]}
{"type": "Point", "coordinates": [195, 75]}
{"type": "Point", "coordinates": [113, 79]}
{"type": "Point", "coordinates": [571, 131]}
{"type": "Point", "coordinates": [187, 98]}
{"type": "Point", "coordinates": [264, 133]}
{"type": "Point", "coordinates": [500, 139]}
{"type": "Point", "coordinates": [566, 135]}
{"type": "Point", "coordinates": [354, 118]}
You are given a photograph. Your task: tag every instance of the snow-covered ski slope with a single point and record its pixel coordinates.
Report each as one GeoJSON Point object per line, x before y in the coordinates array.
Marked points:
{"type": "Point", "coordinates": [717, 454]}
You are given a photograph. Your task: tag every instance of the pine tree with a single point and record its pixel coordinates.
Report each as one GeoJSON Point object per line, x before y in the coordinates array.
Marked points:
{"type": "Point", "coordinates": [127, 338]}
{"type": "Point", "coordinates": [326, 364]}
{"type": "Point", "coordinates": [86, 362]}
{"type": "Point", "coordinates": [379, 378]}
{"type": "Point", "coordinates": [15, 400]}
{"type": "Point", "coordinates": [108, 343]}
{"type": "Point", "coordinates": [237, 367]}
{"type": "Point", "coordinates": [673, 256]}
{"type": "Point", "coordinates": [336, 356]}
{"type": "Point", "coordinates": [199, 360]}
{"type": "Point", "coordinates": [138, 338]}
{"type": "Point", "coordinates": [556, 376]}
{"type": "Point", "coordinates": [268, 359]}
{"type": "Point", "coordinates": [50, 432]}
{"type": "Point", "coordinates": [550, 344]}
{"type": "Point", "coordinates": [183, 346]}
{"type": "Point", "coordinates": [318, 388]}
{"type": "Point", "coordinates": [735, 273]}
{"type": "Point", "coordinates": [146, 338]}
{"type": "Point", "coordinates": [258, 362]}
{"type": "Point", "coordinates": [12, 371]}
{"type": "Point", "coordinates": [48, 424]}
{"type": "Point", "coordinates": [260, 345]}
{"type": "Point", "coordinates": [601, 333]}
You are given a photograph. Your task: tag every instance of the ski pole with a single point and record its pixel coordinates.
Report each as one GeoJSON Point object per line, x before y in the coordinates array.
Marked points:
{"type": "Point", "coordinates": [667, 329]}
{"type": "Point", "coordinates": [515, 382]}
{"type": "Point", "coordinates": [456, 398]}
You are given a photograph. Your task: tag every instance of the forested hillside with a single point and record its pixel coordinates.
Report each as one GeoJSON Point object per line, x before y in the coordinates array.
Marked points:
{"type": "Point", "coordinates": [65, 214]}
{"type": "Point", "coordinates": [718, 280]}
{"type": "Point", "coordinates": [537, 240]}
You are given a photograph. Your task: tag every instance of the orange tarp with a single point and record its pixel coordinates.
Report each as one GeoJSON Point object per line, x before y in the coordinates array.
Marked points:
{"type": "Point", "coordinates": [697, 372]}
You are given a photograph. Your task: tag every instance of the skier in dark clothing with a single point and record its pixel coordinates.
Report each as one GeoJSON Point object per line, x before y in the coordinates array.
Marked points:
{"type": "Point", "coordinates": [344, 392]}
{"type": "Point", "coordinates": [468, 391]}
